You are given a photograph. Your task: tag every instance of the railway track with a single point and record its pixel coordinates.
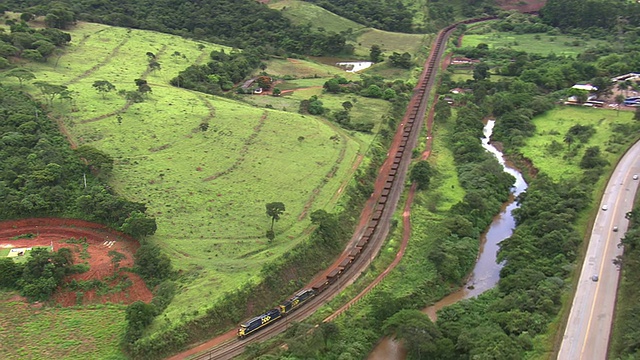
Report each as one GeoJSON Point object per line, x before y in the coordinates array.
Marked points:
{"type": "Point", "coordinates": [367, 240]}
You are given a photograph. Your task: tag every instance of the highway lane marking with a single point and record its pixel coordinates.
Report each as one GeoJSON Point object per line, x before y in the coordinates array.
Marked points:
{"type": "Point", "coordinates": [606, 251]}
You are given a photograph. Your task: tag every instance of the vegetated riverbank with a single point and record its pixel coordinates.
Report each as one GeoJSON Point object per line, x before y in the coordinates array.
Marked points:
{"type": "Point", "coordinates": [486, 272]}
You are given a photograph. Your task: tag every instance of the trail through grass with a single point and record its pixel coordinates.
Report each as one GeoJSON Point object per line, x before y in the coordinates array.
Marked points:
{"type": "Point", "coordinates": [207, 189]}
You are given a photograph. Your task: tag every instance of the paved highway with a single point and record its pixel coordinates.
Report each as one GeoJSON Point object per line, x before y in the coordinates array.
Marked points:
{"type": "Point", "coordinates": [587, 332]}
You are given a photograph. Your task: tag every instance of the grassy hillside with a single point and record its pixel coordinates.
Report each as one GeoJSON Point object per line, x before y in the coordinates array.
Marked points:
{"type": "Point", "coordinates": [532, 43]}
{"type": "Point", "coordinates": [207, 189]}
{"type": "Point", "coordinates": [301, 13]}
{"type": "Point", "coordinates": [390, 42]}
{"type": "Point", "coordinates": [60, 333]}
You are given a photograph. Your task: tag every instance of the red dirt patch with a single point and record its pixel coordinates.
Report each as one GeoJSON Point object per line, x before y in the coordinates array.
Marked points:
{"type": "Point", "coordinates": [520, 5]}
{"type": "Point", "coordinates": [99, 239]}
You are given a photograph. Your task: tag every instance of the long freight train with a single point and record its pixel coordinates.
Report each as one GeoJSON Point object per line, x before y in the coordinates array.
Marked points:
{"type": "Point", "coordinates": [305, 295]}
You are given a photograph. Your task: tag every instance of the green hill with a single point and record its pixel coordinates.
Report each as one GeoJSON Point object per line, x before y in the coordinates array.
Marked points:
{"type": "Point", "coordinates": [207, 189]}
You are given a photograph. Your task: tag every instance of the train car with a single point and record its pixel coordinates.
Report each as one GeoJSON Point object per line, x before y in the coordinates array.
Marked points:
{"type": "Point", "coordinates": [385, 192]}
{"type": "Point", "coordinates": [382, 200]}
{"type": "Point", "coordinates": [379, 207]}
{"type": "Point", "coordinates": [320, 286]}
{"type": "Point", "coordinates": [393, 172]}
{"type": "Point", "coordinates": [259, 322]}
{"type": "Point", "coordinates": [355, 253]}
{"type": "Point", "coordinates": [363, 242]}
{"type": "Point", "coordinates": [394, 167]}
{"type": "Point", "coordinates": [373, 223]}
{"type": "Point", "coordinates": [400, 148]}
{"type": "Point", "coordinates": [346, 264]}
{"type": "Point", "coordinates": [377, 215]}
{"type": "Point", "coordinates": [390, 178]}
{"type": "Point", "coordinates": [368, 232]}
{"type": "Point", "coordinates": [298, 299]}
{"type": "Point", "coordinates": [334, 275]}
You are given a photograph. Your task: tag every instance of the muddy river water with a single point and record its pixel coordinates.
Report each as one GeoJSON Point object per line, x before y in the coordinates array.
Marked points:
{"type": "Point", "coordinates": [486, 272]}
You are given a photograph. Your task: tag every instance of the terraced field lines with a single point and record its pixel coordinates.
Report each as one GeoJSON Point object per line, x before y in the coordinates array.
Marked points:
{"type": "Point", "coordinates": [128, 104]}
{"type": "Point", "coordinates": [96, 67]}
{"type": "Point", "coordinates": [243, 151]}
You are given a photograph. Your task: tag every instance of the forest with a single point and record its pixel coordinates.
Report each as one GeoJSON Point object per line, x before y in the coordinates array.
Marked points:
{"type": "Point", "coordinates": [241, 24]}
{"type": "Point", "coordinates": [42, 176]}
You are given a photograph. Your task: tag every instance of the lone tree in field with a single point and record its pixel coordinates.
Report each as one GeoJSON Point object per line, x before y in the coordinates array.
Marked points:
{"type": "Point", "coordinates": [21, 74]}
{"type": "Point", "coordinates": [50, 91]}
{"type": "Point", "coordinates": [103, 87]}
{"type": "Point", "coordinates": [154, 65]}
{"type": "Point", "coordinates": [274, 210]}
{"type": "Point", "coordinates": [143, 86]}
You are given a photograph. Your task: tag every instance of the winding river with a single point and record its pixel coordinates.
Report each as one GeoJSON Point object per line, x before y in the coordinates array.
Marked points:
{"type": "Point", "coordinates": [486, 272]}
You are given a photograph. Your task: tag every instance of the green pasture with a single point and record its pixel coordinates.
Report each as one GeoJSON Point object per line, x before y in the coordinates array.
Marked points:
{"type": "Point", "coordinates": [531, 43]}
{"type": "Point", "coordinates": [301, 69]}
{"type": "Point", "coordinates": [299, 84]}
{"type": "Point", "coordinates": [554, 125]}
{"type": "Point", "coordinates": [389, 72]}
{"type": "Point", "coordinates": [28, 332]}
{"type": "Point", "coordinates": [207, 190]}
{"type": "Point", "coordinates": [445, 190]}
{"type": "Point", "coordinates": [390, 42]}
{"type": "Point", "coordinates": [302, 13]}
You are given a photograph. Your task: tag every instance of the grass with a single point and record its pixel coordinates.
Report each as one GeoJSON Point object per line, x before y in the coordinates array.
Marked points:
{"type": "Point", "coordinates": [208, 190]}
{"type": "Point", "coordinates": [448, 191]}
{"type": "Point", "coordinates": [390, 42]}
{"type": "Point", "coordinates": [554, 125]}
{"type": "Point", "coordinates": [302, 69]}
{"type": "Point", "coordinates": [28, 332]}
{"type": "Point", "coordinates": [531, 43]}
{"type": "Point", "coordinates": [302, 13]}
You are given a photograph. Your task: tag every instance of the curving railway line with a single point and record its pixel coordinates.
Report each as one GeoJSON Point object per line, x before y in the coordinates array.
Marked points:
{"type": "Point", "coordinates": [375, 217]}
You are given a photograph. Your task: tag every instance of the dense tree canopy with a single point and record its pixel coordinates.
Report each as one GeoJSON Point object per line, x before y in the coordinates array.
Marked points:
{"type": "Point", "coordinates": [586, 14]}
{"type": "Point", "coordinates": [41, 176]}
{"type": "Point", "coordinates": [244, 24]}
{"type": "Point", "coordinates": [390, 15]}
{"type": "Point", "coordinates": [31, 44]}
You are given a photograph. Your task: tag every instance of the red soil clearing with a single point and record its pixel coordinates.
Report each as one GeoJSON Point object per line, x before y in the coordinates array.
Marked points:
{"type": "Point", "coordinates": [56, 232]}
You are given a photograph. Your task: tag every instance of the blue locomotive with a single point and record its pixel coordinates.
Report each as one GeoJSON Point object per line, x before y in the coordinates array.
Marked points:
{"type": "Point", "coordinates": [272, 315]}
